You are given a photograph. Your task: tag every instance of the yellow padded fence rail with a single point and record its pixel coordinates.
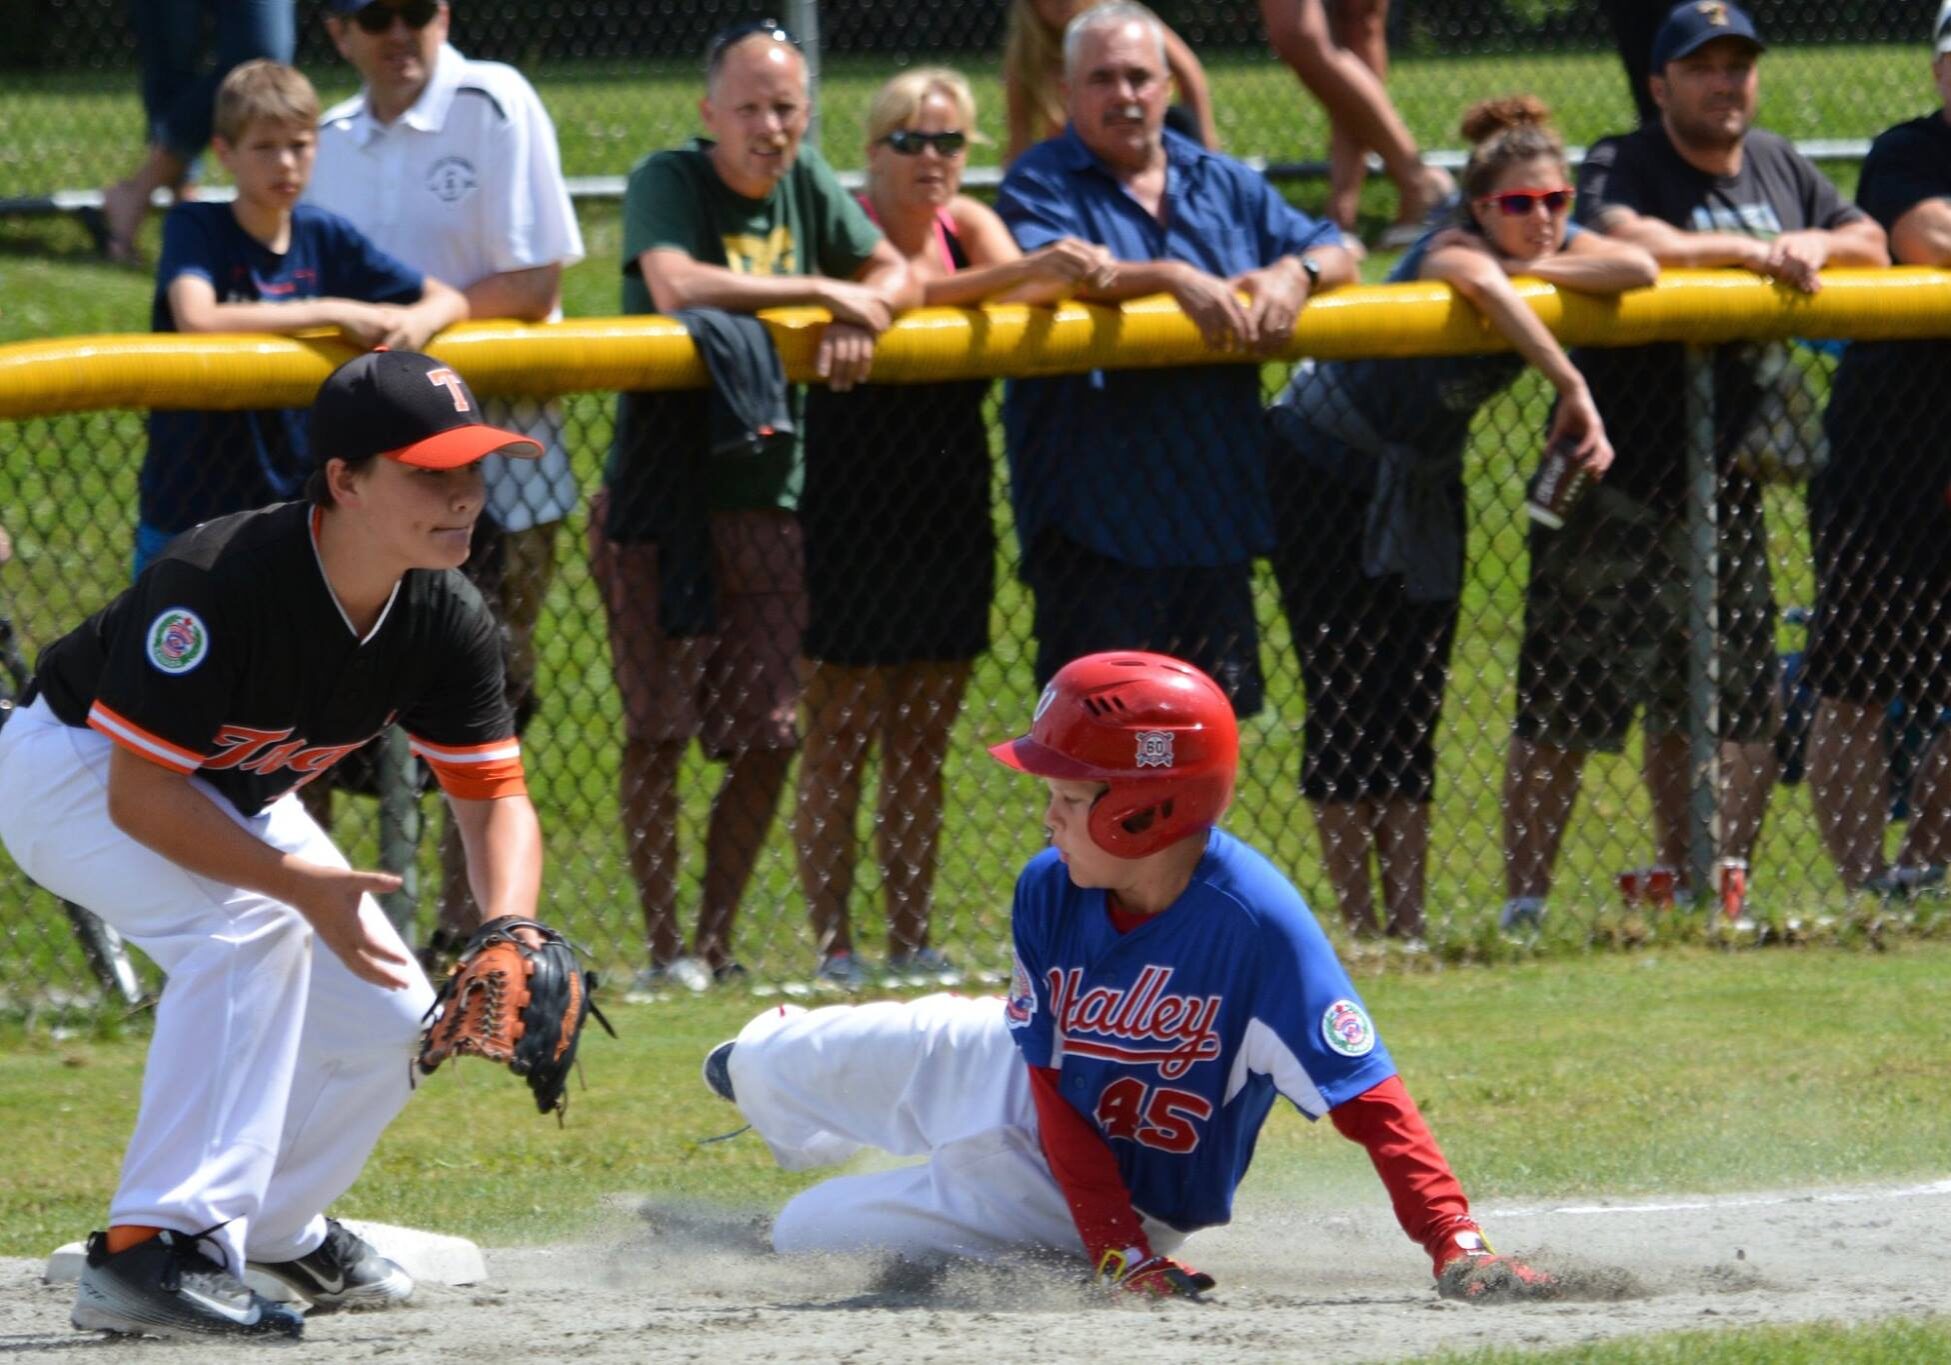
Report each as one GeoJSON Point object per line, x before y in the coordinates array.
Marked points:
{"type": "Point", "coordinates": [94, 373]}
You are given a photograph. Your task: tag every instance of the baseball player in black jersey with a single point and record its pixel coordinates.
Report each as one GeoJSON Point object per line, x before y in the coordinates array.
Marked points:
{"type": "Point", "coordinates": [150, 778]}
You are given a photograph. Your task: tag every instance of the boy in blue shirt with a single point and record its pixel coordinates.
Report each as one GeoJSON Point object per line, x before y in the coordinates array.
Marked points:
{"type": "Point", "coordinates": [265, 263]}
{"type": "Point", "coordinates": [1170, 986]}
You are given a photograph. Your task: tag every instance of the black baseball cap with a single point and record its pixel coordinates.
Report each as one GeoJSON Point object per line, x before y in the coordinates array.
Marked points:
{"type": "Point", "coordinates": [1690, 26]}
{"type": "Point", "coordinates": [408, 407]}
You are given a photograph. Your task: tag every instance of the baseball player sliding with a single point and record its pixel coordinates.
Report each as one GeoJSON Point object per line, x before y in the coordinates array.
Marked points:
{"type": "Point", "coordinates": [152, 779]}
{"type": "Point", "coordinates": [1169, 984]}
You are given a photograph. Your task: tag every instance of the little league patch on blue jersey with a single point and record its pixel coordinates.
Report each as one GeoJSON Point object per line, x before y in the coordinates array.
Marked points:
{"type": "Point", "coordinates": [1175, 1038]}
{"type": "Point", "coordinates": [1022, 997]}
{"type": "Point", "coordinates": [178, 640]}
{"type": "Point", "coordinates": [1346, 1029]}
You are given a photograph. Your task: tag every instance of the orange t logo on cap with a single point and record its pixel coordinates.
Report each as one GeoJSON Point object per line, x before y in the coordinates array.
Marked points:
{"type": "Point", "coordinates": [452, 383]}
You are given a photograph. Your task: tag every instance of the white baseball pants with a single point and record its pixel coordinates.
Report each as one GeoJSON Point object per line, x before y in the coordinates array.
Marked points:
{"type": "Point", "coordinates": [937, 1077]}
{"type": "Point", "coordinates": [273, 1070]}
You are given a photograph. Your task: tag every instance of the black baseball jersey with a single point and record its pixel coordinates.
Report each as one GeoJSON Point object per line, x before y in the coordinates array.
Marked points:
{"type": "Point", "coordinates": [231, 658]}
{"type": "Point", "coordinates": [1777, 190]}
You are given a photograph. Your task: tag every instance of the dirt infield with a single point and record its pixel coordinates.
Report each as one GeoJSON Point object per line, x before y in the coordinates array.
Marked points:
{"type": "Point", "coordinates": [698, 1285]}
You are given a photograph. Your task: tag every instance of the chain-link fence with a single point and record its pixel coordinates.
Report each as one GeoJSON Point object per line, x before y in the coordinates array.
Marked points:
{"type": "Point", "coordinates": [892, 628]}
{"type": "Point", "coordinates": [620, 79]}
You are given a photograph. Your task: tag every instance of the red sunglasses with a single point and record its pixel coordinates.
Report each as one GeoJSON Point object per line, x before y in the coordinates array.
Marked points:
{"type": "Point", "coordinates": [1521, 203]}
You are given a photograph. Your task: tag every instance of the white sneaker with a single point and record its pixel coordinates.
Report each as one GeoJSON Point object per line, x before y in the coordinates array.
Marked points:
{"type": "Point", "coordinates": [684, 973]}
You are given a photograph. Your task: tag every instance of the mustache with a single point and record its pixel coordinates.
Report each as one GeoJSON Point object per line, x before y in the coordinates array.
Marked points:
{"type": "Point", "coordinates": [1133, 111]}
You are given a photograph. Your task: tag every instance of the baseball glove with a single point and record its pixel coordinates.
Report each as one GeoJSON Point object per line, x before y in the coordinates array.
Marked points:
{"type": "Point", "coordinates": [516, 1004]}
{"type": "Point", "coordinates": [1494, 1279]}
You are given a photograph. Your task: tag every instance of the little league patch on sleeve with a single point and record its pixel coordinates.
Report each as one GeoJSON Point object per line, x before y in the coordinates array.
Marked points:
{"type": "Point", "coordinates": [1022, 998]}
{"type": "Point", "coordinates": [1346, 1029]}
{"type": "Point", "coordinates": [178, 640]}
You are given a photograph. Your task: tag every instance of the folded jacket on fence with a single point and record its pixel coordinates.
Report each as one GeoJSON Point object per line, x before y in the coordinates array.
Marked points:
{"type": "Point", "coordinates": [660, 482]}
{"type": "Point", "coordinates": [1411, 527]}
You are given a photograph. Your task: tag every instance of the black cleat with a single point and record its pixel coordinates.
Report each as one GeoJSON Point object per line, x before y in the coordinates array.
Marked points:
{"type": "Point", "coordinates": [166, 1287]}
{"type": "Point", "coordinates": [342, 1272]}
{"type": "Point", "coordinates": [718, 1070]}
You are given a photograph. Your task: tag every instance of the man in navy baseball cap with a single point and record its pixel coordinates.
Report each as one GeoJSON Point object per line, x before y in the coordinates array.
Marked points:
{"type": "Point", "coordinates": [1694, 24]}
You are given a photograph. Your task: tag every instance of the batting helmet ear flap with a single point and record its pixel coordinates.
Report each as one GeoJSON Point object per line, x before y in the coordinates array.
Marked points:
{"type": "Point", "coordinates": [1156, 730]}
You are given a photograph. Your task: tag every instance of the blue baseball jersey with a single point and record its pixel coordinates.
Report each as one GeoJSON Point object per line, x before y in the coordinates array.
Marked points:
{"type": "Point", "coordinates": [206, 464]}
{"type": "Point", "coordinates": [1174, 1038]}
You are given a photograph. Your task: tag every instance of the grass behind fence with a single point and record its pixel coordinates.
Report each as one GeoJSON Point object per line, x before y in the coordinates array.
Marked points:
{"type": "Point", "coordinates": [81, 130]}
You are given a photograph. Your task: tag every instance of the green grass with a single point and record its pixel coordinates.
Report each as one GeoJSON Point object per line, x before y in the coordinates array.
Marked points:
{"type": "Point", "coordinates": [74, 130]}
{"type": "Point", "coordinates": [1884, 1343]}
{"type": "Point", "coordinates": [1543, 1093]}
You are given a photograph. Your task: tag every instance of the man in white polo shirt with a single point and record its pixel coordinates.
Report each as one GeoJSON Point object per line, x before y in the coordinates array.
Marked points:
{"type": "Point", "coordinates": [452, 166]}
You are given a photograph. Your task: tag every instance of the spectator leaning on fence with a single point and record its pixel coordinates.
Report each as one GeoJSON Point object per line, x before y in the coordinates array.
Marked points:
{"type": "Point", "coordinates": [900, 534]}
{"type": "Point", "coordinates": [1367, 484]}
{"type": "Point", "coordinates": [1606, 608]}
{"type": "Point", "coordinates": [178, 92]}
{"type": "Point", "coordinates": [1882, 535]}
{"type": "Point", "coordinates": [451, 165]}
{"type": "Point", "coordinates": [1140, 495]}
{"type": "Point", "coordinates": [265, 263]}
{"type": "Point", "coordinates": [1033, 77]}
{"type": "Point", "coordinates": [744, 220]}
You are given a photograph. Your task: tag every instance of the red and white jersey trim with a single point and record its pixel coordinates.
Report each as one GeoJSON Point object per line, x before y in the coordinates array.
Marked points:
{"type": "Point", "coordinates": [137, 740]}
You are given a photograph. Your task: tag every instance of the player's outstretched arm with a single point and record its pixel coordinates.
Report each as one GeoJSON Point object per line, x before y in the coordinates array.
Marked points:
{"type": "Point", "coordinates": [1429, 1203]}
{"type": "Point", "coordinates": [503, 842]}
{"type": "Point", "coordinates": [162, 811]}
{"type": "Point", "coordinates": [1085, 1170]}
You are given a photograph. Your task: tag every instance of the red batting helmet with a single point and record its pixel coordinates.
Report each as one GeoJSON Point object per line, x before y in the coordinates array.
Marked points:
{"type": "Point", "coordinates": [1158, 730]}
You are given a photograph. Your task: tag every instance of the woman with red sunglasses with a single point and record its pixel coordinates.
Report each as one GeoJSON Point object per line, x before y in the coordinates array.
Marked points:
{"type": "Point", "coordinates": [1367, 476]}
{"type": "Point", "coordinates": [899, 529]}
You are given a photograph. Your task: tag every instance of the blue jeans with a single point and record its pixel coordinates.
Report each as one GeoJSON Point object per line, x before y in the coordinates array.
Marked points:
{"type": "Point", "coordinates": [178, 93]}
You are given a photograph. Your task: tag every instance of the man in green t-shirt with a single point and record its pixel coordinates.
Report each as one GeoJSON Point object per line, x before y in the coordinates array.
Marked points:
{"type": "Point", "coordinates": [743, 220]}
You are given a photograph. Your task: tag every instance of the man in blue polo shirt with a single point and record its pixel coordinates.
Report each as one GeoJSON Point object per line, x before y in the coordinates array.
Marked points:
{"type": "Point", "coordinates": [1140, 495]}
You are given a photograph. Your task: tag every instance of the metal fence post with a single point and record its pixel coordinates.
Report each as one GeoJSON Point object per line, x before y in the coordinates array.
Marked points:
{"type": "Point", "coordinates": [399, 827]}
{"type": "Point", "coordinates": [805, 24]}
{"type": "Point", "coordinates": [1703, 570]}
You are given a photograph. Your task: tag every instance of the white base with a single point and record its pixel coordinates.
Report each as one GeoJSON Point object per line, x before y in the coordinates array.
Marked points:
{"type": "Point", "coordinates": [430, 1257]}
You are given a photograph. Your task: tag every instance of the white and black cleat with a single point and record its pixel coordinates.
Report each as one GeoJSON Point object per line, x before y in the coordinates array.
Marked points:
{"type": "Point", "coordinates": [343, 1271]}
{"type": "Point", "coordinates": [718, 1071]}
{"type": "Point", "coordinates": [166, 1287]}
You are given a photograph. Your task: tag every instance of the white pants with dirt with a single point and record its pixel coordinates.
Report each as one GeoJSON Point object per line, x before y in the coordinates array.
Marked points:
{"type": "Point", "coordinates": [273, 1070]}
{"type": "Point", "coordinates": [938, 1078]}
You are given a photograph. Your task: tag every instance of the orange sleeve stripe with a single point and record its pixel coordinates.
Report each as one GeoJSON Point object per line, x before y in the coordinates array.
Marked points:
{"type": "Point", "coordinates": [475, 784]}
{"type": "Point", "coordinates": [137, 740]}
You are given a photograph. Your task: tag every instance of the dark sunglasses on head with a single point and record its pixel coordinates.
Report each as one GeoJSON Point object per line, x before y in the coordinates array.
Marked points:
{"type": "Point", "coordinates": [737, 33]}
{"type": "Point", "coordinates": [377, 18]}
{"type": "Point", "coordinates": [908, 142]}
{"type": "Point", "coordinates": [1521, 203]}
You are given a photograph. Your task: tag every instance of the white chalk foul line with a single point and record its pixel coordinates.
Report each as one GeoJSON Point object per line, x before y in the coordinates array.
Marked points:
{"type": "Point", "coordinates": [1737, 1201]}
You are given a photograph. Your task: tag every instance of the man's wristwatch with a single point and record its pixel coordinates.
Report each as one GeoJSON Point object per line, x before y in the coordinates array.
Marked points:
{"type": "Point", "coordinates": [1312, 269]}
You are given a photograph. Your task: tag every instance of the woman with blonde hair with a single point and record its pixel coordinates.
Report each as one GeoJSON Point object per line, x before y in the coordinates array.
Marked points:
{"type": "Point", "coordinates": [1033, 74]}
{"type": "Point", "coordinates": [900, 536]}
{"type": "Point", "coordinates": [1367, 479]}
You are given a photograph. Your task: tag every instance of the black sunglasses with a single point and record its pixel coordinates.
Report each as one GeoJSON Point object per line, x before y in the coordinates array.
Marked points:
{"type": "Point", "coordinates": [378, 18]}
{"type": "Point", "coordinates": [737, 33]}
{"type": "Point", "coordinates": [908, 142]}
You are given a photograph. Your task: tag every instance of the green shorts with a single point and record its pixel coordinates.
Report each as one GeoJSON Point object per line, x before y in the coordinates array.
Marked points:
{"type": "Point", "coordinates": [1605, 625]}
